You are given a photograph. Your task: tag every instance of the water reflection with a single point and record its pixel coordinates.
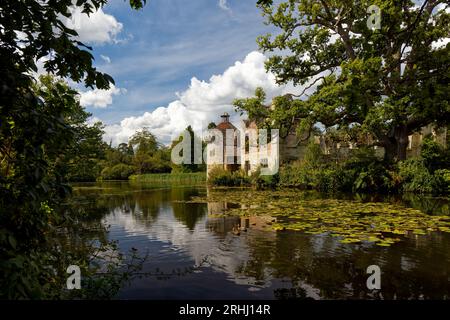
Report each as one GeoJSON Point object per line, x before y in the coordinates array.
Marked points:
{"type": "Point", "coordinates": [196, 253]}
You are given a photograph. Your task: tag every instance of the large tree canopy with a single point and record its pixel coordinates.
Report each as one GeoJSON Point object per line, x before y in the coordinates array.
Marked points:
{"type": "Point", "coordinates": [34, 29]}
{"type": "Point", "coordinates": [43, 136]}
{"type": "Point", "coordinates": [388, 82]}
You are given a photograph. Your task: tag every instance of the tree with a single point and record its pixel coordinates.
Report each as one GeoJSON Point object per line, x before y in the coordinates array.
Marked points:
{"type": "Point", "coordinates": [37, 125]}
{"type": "Point", "coordinates": [78, 160]}
{"type": "Point", "coordinates": [36, 157]}
{"type": "Point", "coordinates": [388, 82]}
{"type": "Point", "coordinates": [192, 166]}
{"type": "Point", "coordinates": [145, 145]}
{"type": "Point", "coordinates": [149, 156]}
{"type": "Point", "coordinates": [254, 106]}
{"type": "Point", "coordinates": [283, 117]}
{"type": "Point", "coordinates": [143, 154]}
{"type": "Point", "coordinates": [125, 149]}
{"type": "Point", "coordinates": [144, 141]}
{"type": "Point", "coordinates": [212, 125]}
{"type": "Point", "coordinates": [32, 30]}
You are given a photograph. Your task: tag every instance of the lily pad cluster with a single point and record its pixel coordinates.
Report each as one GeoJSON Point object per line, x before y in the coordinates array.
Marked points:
{"type": "Point", "coordinates": [351, 220]}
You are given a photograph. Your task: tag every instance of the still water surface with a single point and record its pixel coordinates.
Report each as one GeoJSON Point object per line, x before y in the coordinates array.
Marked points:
{"type": "Point", "coordinates": [193, 254]}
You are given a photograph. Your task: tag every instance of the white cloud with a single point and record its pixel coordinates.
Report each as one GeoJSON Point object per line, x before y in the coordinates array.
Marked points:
{"type": "Point", "coordinates": [224, 5]}
{"type": "Point", "coordinates": [105, 58]}
{"type": "Point", "coordinates": [93, 120]}
{"type": "Point", "coordinates": [202, 102]}
{"type": "Point", "coordinates": [443, 6]}
{"type": "Point", "coordinates": [40, 67]}
{"type": "Point", "coordinates": [439, 44]}
{"type": "Point", "coordinates": [98, 27]}
{"type": "Point", "coordinates": [99, 98]}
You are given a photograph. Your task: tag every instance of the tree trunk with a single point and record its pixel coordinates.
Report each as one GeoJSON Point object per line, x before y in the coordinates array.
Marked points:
{"type": "Point", "coordinates": [401, 138]}
{"type": "Point", "coordinates": [396, 144]}
{"type": "Point", "coordinates": [389, 150]}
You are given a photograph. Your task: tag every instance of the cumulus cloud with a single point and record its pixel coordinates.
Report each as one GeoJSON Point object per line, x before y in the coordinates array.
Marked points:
{"type": "Point", "coordinates": [202, 102]}
{"type": "Point", "coordinates": [439, 44]}
{"type": "Point", "coordinates": [93, 120]}
{"type": "Point", "coordinates": [98, 27]}
{"type": "Point", "coordinates": [99, 98]}
{"type": "Point", "coordinates": [443, 6]}
{"type": "Point", "coordinates": [224, 5]}
{"type": "Point", "coordinates": [105, 58]}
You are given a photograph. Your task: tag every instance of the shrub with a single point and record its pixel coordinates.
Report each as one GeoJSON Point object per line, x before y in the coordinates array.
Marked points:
{"type": "Point", "coordinates": [295, 175]}
{"type": "Point", "coordinates": [416, 177]}
{"type": "Point", "coordinates": [365, 172]}
{"type": "Point", "coordinates": [362, 172]}
{"type": "Point", "coordinates": [300, 175]}
{"type": "Point", "coordinates": [326, 179]}
{"type": "Point", "coordinates": [445, 175]}
{"type": "Point", "coordinates": [220, 177]}
{"type": "Point", "coordinates": [306, 173]}
{"type": "Point", "coordinates": [434, 155]}
{"type": "Point", "coordinates": [84, 171]}
{"type": "Point", "coordinates": [118, 172]}
{"type": "Point", "coordinates": [374, 177]}
{"type": "Point", "coordinates": [314, 158]}
{"type": "Point", "coordinates": [264, 181]}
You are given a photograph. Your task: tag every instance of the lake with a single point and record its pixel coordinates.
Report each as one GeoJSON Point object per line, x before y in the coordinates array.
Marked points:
{"type": "Point", "coordinates": [196, 250]}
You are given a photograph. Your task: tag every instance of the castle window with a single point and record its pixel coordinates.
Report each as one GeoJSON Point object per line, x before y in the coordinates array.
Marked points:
{"type": "Point", "coordinates": [247, 143]}
{"type": "Point", "coordinates": [264, 163]}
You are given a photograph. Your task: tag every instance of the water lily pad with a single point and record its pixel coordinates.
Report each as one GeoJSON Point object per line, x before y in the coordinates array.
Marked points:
{"type": "Point", "coordinates": [353, 221]}
{"type": "Point", "coordinates": [383, 244]}
{"type": "Point", "coordinates": [350, 240]}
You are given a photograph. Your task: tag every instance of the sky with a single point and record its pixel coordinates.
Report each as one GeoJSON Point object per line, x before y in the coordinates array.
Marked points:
{"type": "Point", "coordinates": [175, 63]}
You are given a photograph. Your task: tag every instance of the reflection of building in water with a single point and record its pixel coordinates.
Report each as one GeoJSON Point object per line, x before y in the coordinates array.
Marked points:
{"type": "Point", "coordinates": [224, 224]}
{"type": "Point", "coordinates": [217, 207]}
{"type": "Point", "coordinates": [319, 264]}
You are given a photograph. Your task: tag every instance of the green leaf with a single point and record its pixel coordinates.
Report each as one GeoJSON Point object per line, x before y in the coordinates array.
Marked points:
{"type": "Point", "coordinates": [12, 241]}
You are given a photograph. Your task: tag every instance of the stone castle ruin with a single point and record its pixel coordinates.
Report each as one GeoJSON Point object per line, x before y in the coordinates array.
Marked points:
{"type": "Point", "coordinates": [241, 149]}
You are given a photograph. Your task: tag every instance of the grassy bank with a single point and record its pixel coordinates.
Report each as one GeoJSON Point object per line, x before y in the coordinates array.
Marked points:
{"type": "Point", "coordinates": [170, 178]}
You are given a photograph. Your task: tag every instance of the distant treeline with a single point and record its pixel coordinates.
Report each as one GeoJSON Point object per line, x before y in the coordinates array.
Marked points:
{"type": "Point", "coordinates": [142, 155]}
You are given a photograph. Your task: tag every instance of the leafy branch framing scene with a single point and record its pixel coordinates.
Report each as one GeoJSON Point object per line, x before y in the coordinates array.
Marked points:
{"type": "Point", "coordinates": [92, 117]}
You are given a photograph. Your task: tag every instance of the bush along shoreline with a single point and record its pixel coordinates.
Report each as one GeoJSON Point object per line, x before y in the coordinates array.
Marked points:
{"type": "Point", "coordinates": [361, 172]}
